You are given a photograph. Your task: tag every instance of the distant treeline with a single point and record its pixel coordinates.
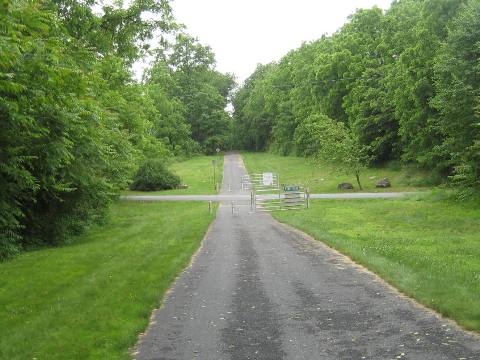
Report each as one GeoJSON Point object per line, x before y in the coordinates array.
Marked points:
{"type": "Point", "coordinates": [405, 82]}
{"type": "Point", "coordinates": [75, 125]}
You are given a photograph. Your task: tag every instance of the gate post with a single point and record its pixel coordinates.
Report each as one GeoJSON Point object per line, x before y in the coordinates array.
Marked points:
{"type": "Point", "coordinates": [251, 200]}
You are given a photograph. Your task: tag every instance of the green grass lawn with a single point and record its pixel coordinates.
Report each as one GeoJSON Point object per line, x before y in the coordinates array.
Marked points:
{"type": "Point", "coordinates": [428, 248]}
{"type": "Point", "coordinates": [91, 299]}
{"type": "Point", "coordinates": [196, 172]}
{"type": "Point", "coordinates": [322, 179]}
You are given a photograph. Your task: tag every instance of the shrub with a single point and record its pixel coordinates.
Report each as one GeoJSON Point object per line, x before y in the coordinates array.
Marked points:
{"type": "Point", "coordinates": [215, 142]}
{"type": "Point", "coordinates": [153, 175]}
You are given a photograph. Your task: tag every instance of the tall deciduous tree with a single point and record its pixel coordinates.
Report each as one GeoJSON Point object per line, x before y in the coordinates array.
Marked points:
{"type": "Point", "coordinates": [334, 145]}
{"type": "Point", "coordinates": [413, 83]}
{"type": "Point", "coordinates": [203, 91]}
{"type": "Point", "coordinates": [252, 122]}
{"type": "Point", "coordinates": [457, 71]}
{"type": "Point", "coordinates": [74, 123]}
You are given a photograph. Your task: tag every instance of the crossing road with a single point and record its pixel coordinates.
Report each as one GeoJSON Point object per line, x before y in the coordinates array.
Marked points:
{"type": "Point", "coordinates": [246, 197]}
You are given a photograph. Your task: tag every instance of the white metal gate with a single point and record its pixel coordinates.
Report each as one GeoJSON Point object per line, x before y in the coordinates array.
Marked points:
{"type": "Point", "coordinates": [266, 193]}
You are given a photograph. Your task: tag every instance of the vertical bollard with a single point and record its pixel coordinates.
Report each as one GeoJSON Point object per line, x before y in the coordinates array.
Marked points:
{"type": "Point", "coordinates": [308, 197]}
{"type": "Point", "coordinates": [209, 207]}
{"type": "Point", "coordinates": [254, 201]}
{"type": "Point", "coordinates": [233, 207]}
{"type": "Point", "coordinates": [251, 200]}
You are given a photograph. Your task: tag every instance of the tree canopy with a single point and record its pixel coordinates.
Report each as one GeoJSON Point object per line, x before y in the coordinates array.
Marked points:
{"type": "Point", "coordinates": [76, 125]}
{"type": "Point", "coordinates": [403, 82]}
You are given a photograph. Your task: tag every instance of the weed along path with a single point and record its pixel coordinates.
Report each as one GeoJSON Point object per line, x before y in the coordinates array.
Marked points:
{"type": "Point", "coordinates": [259, 290]}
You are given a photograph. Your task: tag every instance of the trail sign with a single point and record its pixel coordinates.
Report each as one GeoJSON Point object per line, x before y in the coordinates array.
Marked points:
{"type": "Point", "coordinates": [267, 179]}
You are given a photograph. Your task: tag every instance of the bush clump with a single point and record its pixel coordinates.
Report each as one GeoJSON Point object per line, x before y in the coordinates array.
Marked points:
{"type": "Point", "coordinates": [153, 175]}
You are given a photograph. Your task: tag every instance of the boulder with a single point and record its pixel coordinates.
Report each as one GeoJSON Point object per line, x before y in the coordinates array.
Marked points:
{"type": "Point", "coordinates": [384, 183]}
{"type": "Point", "coordinates": [345, 186]}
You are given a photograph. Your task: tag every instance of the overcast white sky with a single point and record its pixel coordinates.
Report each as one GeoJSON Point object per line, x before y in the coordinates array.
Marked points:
{"type": "Point", "coordinates": [243, 33]}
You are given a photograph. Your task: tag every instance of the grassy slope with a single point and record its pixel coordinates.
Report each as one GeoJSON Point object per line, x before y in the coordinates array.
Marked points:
{"type": "Point", "coordinates": [429, 249]}
{"type": "Point", "coordinates": [426, 246]}
{"type": "Point", "coordinates": [91, 299]}
{"type": "Point", "coordinates": [300, 170]}
{"type": "Point", "coordinates": [197, 173]}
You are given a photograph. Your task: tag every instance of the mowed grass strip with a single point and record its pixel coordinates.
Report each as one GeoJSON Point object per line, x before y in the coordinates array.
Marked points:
{"type": "Point", "coordinates": [197, 173]}
{"type": "Point", "coordinates": [90, 300]}
{"type": "Point", "coordinates": [323, 179]}
{"type": "Point", "coordinates": [427, 248]}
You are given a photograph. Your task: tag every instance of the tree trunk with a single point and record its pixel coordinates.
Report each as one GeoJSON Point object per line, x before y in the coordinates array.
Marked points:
{"type": "Point", "coordinates": [357, 175]}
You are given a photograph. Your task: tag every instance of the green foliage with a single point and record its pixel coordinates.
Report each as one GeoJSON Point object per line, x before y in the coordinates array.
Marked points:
{"type": "Point", "coordinates": [308, 134]}
{"type": "Point", "coordinates": [75, 123]}
{"type": "Point", "coordinates": [253, 125]}
{"type": "Point", "coordinates": [153, 175]}
{"type": "Point", "coordinates": [413, 85]}
{"type": "Point", "coordinates": [458, 96]}
{"type": "Point", "coordinates": [15, 179]}
{"type": "Point", "coordinates": [367, 104]}
{"type": "Point", "coordinates": [195, 172]}
{"type": "Point", "coordinates": [403, 82]}
{"type": "Point", "coordinates": [122, 31]}
{"type": "Point", "coordinates": [191, 97]}
{"type": "Point", "coordinates": [216, 142]}
{"type": "Point", "coordinates": [332, 143]}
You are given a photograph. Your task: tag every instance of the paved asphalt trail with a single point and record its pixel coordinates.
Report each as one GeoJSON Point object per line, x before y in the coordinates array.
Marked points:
{"type": "Point", "coordinates": [257, 290]}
